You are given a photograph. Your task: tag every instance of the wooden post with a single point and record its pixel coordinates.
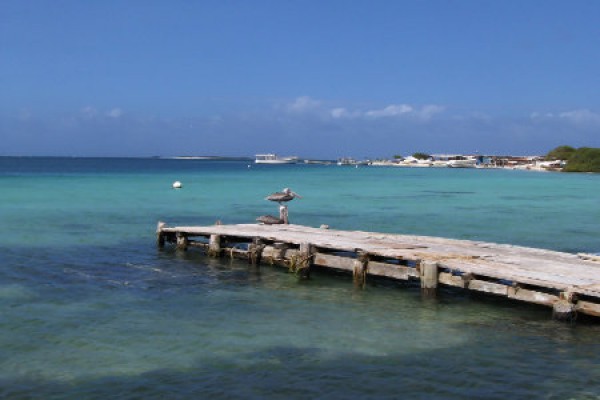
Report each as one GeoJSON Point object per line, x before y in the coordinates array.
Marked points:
{"type": "Point", "coordinates": [283, 214]}
{"type": "Point", "coordinates": [305, 260]}
{"type": "Point", "coordinates": [214, 246]}
{"type": "Point", "coordinates": [359, 270]}
{"type": "Point", "coordinates": [160, 237]}
{"type": "Point", "coordinates": [182, 241]}
{"type": "Point", "coordinates": [565, 309]}
{"type": "Point", "coordinates": [255, 250]}
{"type": "Point", "coordinates": [429, 277]}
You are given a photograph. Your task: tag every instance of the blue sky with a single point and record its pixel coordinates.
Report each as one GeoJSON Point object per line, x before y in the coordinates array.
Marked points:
{"type": "Point", "coordinates": [320, 79]}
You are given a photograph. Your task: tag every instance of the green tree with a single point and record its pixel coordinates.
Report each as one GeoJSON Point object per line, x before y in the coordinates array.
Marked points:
{"type": "Point", "coordinates": [584, 159]}
{"type": "Point", "coordinates": [421, 156]}
{"type": "Point", "coordinates": [560, 153]}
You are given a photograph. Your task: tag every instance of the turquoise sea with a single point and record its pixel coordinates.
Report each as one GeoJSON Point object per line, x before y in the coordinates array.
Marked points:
{"type": "Point", "coordinates": [91, 309]}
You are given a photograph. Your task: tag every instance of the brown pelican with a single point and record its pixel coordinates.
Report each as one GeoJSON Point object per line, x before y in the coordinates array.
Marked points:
{"type": "Point", "coordinates": [271, 220]}
{"type": "Point", "coordinates": [285, 195]}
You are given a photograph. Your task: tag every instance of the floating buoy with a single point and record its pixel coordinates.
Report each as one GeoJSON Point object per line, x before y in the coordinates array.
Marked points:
{"type": "Point", "coordinates": [177, 185]}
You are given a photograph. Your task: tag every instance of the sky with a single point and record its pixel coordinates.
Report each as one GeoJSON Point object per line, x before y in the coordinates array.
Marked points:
{"type": "Point", "coordinates": [315, 79]}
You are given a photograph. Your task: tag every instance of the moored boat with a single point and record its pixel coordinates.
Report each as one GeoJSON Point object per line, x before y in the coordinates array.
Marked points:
{"type": "Point", "coordinates": [462, 162]}
{"type": "Point", "coordinates": [274, 159]}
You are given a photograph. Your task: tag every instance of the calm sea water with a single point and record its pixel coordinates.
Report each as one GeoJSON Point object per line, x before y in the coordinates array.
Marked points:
{"type": "Point", "coordinates": [91, 309]}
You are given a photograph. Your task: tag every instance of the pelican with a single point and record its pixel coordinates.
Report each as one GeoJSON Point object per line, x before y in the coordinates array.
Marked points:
{"type": "Point", "coordinates": [285, 195]}
{"type": "Point", "coordinates": [271, 220]}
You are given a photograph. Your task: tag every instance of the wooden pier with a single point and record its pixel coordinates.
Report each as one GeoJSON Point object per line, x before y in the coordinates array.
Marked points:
{"type": "Point", "coordinates": [568, 283]}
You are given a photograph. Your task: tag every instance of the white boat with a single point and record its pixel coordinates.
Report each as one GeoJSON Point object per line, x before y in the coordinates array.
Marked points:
{"type": "Point", "coordinates": [274, 159]}
{"type": "Point", "coordinates": [463, 162]}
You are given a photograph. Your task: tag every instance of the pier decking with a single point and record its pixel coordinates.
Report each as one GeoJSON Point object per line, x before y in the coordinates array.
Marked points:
{"type": "Point", "coordinates": [567, 282]}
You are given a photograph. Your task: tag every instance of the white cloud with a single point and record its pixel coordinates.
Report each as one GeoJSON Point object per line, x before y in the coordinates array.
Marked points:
{"type": "Point", "coordinates": [339, 112]}
{"type": "Point", "coordinates": [114, 113]}
{"type": "Point", "coordinates": [536, 116]}
{"type": "Point", "coordinates": [583, 116]}
{"type": "Point", "coordinates": [303, 103]}
{"type": "Point", "coordinates": [579, 117]}
{"type": "Point", "coordinates": [390, 111]}
{"type": "Point", "coordinates": [425, 112]}
{"type": "Point", "coordinates": [342, 112]}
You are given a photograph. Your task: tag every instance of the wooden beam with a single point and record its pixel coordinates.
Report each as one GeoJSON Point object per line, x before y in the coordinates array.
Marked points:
{"type": "Point", "coordinates": [332, 261]}
{"type": "Point", "coordinates": [531, 296]}
{"type": "Point", "coordinates": [488, 287]}
{"type": "Point", "coordinates": [586, 307]}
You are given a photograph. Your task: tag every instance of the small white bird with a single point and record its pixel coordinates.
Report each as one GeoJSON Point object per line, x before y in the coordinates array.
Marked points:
{"type": "Point", "coordinates": [177, 185]}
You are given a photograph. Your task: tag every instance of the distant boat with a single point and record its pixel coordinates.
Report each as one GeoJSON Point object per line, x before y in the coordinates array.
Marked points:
{"type": "Point", "coordinates": [274, 159]}
{"type": "Point", "coordinates": [463, 162]}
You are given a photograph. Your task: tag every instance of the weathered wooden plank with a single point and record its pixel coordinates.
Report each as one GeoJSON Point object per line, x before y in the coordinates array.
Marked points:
{"type": "Point", "coordinates": [332, 261]}
{"type": "Point", "coordinates": [446, 278]}
{"type": "Point", "coordinates": [588, 308]}
{"type": "Point", "coordinates": [393, 271]}
{"type": "Point", "coordinates": [531, 296]}
{"type": "Point", "coordinates": [488, 287]}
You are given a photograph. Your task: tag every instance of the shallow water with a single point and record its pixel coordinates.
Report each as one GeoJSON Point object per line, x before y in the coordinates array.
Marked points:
{"type": "Point", "coordinates": [91, 309]}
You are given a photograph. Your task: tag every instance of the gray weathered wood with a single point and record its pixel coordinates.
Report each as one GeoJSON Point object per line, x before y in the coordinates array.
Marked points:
{"type": "Point", "coordinates": [429, 277]}
{"type": "Point", "coordinates": [214, 245]}
{"type": "Point", "coordinates": [520, 273]}
{"type": "Point", "coordinates": [182, 241]}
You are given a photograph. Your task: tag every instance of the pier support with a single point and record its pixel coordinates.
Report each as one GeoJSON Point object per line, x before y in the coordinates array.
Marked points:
{"type": "Point", "coordinates": [160, 237]}
{"type": "Point", "coordinates": [359, 271]}
{"type": "Point", "coordinates": [214, 246]}
{"type": "Point", "coordinates": [564, 309]}
{"type": "Point", "coordinates": [182, 242]}
{"type": "Point", "coordinates": [255, 250]}
{"type": "Point", "coordinates": [283, 214]}
{"type": "Point", "coordinates": [305, 260]}
{"type": "Point", "coordinates": [279, 250]}
{"type": "Point", "coordinates": [429, 277]}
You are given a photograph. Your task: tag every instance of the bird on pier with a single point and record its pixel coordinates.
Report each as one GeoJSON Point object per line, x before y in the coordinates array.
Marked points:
{"type": "Point", "coordinates": [271, 220]}
{"type": "Point", "coordinates": [284, 196]}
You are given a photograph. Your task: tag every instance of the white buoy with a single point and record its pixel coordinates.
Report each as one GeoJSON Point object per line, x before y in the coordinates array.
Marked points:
{"type": "Point", "coordinates": [177, 185]}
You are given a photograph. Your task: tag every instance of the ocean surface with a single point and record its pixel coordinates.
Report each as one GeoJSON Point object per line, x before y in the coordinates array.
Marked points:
{"type": "Point", "coordinates": [91, 309]}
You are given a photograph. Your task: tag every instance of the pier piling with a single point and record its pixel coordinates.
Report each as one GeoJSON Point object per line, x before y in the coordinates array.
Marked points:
{"type": "Point", "coordinates": [182, 241]}
{"type": "Point", "coordinates": [160, 237]}
{"type": "Point", "coordinates": [214, 246]}
{"type": "Point", "coordinates": [429, 277]}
